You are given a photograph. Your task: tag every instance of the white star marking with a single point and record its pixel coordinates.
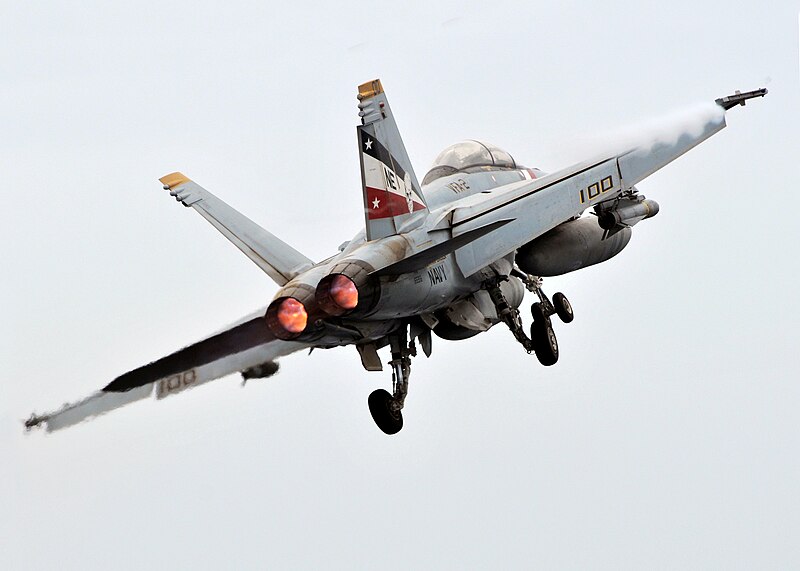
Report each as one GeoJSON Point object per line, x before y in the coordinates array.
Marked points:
{"type": "Point", "coordinates": [376, 203]}
{"type": "Point", "coordinates": [368, 144]}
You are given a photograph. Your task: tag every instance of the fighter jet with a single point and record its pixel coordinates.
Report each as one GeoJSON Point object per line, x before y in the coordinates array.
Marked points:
{"type": "Point", "coordinates": [450, 257]}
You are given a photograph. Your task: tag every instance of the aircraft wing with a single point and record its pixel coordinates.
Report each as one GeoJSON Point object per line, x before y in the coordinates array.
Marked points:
{"type": "Point", "coordinates": [275, 257]}
{"type": "Point", "coordinates": [534, 207]}
{"type": "Point", "coordinates": [244, 346]}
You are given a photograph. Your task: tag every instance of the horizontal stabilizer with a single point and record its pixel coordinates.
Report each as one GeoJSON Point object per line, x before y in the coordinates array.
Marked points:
{"type": "Point", "coordinates": [275, 257]}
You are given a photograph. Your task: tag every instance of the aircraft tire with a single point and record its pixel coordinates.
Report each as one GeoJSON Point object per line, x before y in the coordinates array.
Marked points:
{"type": "Point", "coordinates": [388, 421]}
{"type": "Point", "coordinates": [545, 344]}
{"type": "Point", "coordinates": [539, 314]}
{"type": "Point", "coordinates": [563, 307]}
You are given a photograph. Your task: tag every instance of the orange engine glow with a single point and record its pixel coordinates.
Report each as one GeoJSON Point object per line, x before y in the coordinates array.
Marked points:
{"type": "Point", "coordinates": [344, 292]}
{"type": "Point", "coordinates": [292, 315]}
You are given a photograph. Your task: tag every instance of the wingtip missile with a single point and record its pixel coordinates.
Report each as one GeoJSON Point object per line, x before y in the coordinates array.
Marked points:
{"type": "Point", "coordinates": [34, 421]}
{"type": "Point", "coordinates": [739, 98]}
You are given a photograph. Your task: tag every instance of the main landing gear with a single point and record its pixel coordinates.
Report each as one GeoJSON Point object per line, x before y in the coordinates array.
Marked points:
{"type": "Point", "coordinates": [387, 408]}
{"type": "Point", "coordinates": [543, 340]}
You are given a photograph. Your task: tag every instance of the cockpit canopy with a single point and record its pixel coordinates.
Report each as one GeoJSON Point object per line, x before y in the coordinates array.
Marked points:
{"type": "Point", "coordinates": [468, 155]}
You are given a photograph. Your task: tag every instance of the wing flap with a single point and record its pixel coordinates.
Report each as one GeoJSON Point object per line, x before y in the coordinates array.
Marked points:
{"type": "Point", "coordinates": [235, 349]}
{"type": "Point", "coordinates": [235, 340]}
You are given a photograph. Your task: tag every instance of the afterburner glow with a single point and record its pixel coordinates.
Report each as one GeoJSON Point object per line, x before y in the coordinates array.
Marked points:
{"type": "Point", "coordinates": [344, 292]}
{"type": "Point", "coordinates": [292, 315]}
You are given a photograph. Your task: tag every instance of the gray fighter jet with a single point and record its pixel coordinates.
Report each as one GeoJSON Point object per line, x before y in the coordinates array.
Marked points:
{"type": "Point", "coordinates": [451, 257]}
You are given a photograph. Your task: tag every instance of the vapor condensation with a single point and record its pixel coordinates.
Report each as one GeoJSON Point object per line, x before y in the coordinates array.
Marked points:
{"type": "Point", "coordinates": [644, 135]}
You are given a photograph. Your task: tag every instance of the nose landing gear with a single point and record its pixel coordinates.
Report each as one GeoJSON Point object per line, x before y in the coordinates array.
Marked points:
{"type": "Point", "coordinates": [543, 340]}
{"type": "Point", "coordinates": [545, 344]}
{"type": "Point", "coordinates": [542, 333]}
{"type": "Point", "coordinates": [563, 307]}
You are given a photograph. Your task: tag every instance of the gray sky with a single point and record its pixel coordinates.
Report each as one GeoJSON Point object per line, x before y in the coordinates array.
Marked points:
{"type": "Point", "coordinates": [667, 435]}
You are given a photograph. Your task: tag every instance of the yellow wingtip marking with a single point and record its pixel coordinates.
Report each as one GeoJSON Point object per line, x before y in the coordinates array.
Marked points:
{"type": "Point", "coordinates": [370, 89]}
{"type": "Point", "coordinates": [174, 179]}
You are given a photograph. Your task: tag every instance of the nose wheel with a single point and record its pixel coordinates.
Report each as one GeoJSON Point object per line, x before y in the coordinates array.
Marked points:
{"type": "Point", "coordinates": [545, 344]}
{"type": "Point", "coordinates": [543, 341]}
{"type": "Point", "coordinates": [563, 307]}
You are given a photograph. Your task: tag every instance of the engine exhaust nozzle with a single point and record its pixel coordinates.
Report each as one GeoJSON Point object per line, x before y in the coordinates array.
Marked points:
{"type": "Point", "coordinates": [287, 318]}
{"type": "Point", "coordinates": [336, 294]}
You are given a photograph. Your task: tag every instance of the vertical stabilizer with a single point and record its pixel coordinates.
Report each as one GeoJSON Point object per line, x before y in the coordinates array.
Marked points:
{"type": "Point", "coordinates": [393, 200]}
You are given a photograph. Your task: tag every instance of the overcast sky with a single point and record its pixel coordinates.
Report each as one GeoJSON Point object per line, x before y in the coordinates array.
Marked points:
{"type": "Point", "coordinates": [666, 437]}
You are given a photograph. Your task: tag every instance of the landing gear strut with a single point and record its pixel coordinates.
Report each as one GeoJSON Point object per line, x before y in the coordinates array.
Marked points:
{"type": "Point", "coordinates": [543, 340]}
{"type": "Point", "coordinates": [386, 408]}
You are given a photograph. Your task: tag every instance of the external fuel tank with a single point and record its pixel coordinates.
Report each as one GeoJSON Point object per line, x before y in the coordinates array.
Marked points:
{"type": "Point", "coordinates": [570, 246]}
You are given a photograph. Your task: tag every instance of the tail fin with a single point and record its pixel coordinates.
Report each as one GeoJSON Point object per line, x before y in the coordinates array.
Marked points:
{"type": "Point", "coordinates": [393, 200]}
{"type": "Point", "coordinates": [276, 258]}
